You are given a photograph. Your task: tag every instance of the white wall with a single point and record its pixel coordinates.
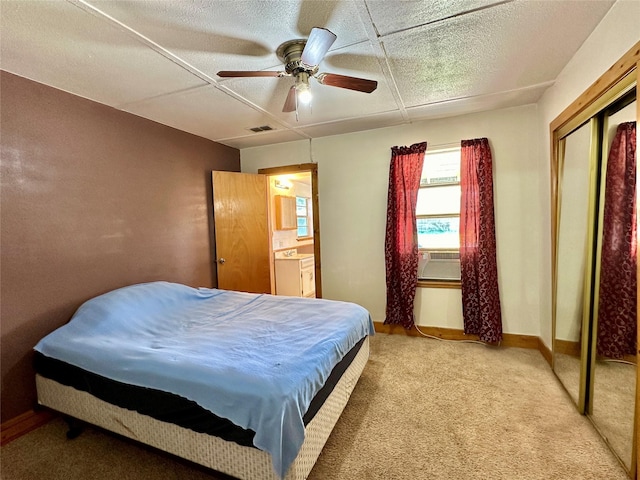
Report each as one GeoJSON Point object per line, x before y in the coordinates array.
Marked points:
{"type": "Point", "coordinates": [353, 174]}
{"type": "Point", "coordinates": [612, 38]}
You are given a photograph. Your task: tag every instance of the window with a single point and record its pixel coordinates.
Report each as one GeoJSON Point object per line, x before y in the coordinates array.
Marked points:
{"type": "Point", "coordinates": [302, 217]}
{"type": "Point", "coordinates": [438, 216]}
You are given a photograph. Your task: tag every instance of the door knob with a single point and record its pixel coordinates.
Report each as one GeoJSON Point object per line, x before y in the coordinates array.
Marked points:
{"type": "Point", "coordinates": [221, 261]}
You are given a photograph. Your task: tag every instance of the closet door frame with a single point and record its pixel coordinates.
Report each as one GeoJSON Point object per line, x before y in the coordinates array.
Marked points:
{"type": "Point", "coordinates": [625, 72]}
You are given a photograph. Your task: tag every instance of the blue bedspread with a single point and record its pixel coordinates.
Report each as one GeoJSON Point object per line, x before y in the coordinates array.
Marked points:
{"type": "Point", "coordinates": [257, 360]}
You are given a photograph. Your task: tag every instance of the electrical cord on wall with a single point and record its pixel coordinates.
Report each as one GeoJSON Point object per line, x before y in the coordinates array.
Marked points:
{"type": "Point", "coordinates": [617, 360]}
{"type": "Point", "coordinates": [449, 339]}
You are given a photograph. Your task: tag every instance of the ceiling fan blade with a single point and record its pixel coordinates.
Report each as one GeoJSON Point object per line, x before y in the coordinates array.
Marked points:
{"type": "Point", "coordinates": [245, 73]}
{"type": "Point", "coordinates": [343, 81]}
{"type": "Point", "coordinates": [290, 102]}
{"type": "Point", "coordinates": [318, 44]}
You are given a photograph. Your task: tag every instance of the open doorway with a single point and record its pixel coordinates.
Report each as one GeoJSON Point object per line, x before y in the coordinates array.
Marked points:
{"type": "Point", "coordinates": [298, 184]}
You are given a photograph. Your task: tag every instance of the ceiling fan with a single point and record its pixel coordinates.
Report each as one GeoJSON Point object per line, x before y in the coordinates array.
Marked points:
{"type": "Point", "coordinates": [301, 59]}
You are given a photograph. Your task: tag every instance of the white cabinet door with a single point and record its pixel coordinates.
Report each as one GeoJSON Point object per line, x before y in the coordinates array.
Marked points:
{"type": "Point", "coordinates": [295, 277]}
{"type": "Point", "coordinates": [308, 281]}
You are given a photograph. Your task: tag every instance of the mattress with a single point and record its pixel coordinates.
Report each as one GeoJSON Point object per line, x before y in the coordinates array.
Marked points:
{"type": "Point", "coordinates": [168, 407]}
{"type": "Point", "coordinates": [245, 463]}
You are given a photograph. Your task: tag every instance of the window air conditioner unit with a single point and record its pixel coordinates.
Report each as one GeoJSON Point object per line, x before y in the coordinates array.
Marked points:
{"type": "Point", "coordinates": [439, 266]}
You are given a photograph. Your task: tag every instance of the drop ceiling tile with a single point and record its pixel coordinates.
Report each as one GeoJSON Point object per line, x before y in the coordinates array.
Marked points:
{"type": "Point", "coordinates": [234, 35]}
{"type": "Point", "coordinates": [329, 103]}
{"type": "Point", "coordinates": [263, 138]}
{"type": "Point", "coordinates": [359, 124]}
{"type": "Point", "coordinates": [480, 103]}
{"type": "Point", "coordinates": [394, 16]}
{"type": "Point", "coordinates": [204, 111]}
{"type": "Point", "coordinates": [505, 47]}
{"type": "Point", "coordinates": [61, 45]}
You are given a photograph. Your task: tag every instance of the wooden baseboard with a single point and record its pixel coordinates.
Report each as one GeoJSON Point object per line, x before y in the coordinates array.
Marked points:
{"type": "Point", "coordinates": [545, 351]}
{"type": "Point", "coordinates": [568, 347]}
{"type": "Point", "coordinates": [23, 424]}
{"type": "Point", "coordinates": [508, 339]}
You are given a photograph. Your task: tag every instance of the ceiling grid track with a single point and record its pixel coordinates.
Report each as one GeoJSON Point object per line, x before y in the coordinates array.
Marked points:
{"type": "Point", "coordinates": [381, 55]}
{"type": "Point", "coordinates": [87, 7]}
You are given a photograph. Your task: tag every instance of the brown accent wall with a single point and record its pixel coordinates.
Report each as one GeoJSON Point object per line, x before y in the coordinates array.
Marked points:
{"type": "Point", "coordinates": [92, 199]}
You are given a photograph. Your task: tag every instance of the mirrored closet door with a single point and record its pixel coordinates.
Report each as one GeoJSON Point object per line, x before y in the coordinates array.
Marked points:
{"type": "Point", "coordinates": [613, 360]}
{"type": "Point", "coordinates": [595, 321]}
{"type": "Point", "coordinates": [572, 243]}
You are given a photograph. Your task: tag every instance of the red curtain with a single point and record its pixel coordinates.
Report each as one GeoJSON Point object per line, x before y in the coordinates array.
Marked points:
{"type": "Point", "coordinates": [479, 271]}
{"type": "Point", "coordinates": [618, 274]}
{"type": "Point", "coordinates": [401, 241]}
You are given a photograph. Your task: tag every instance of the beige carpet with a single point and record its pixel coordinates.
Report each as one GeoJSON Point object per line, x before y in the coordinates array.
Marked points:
{"type": "Point", "coordinates": [423, 409]}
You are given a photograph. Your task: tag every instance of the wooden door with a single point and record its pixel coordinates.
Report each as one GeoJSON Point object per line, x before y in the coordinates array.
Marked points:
{"type": "Point", "coordinates": [241, 223]}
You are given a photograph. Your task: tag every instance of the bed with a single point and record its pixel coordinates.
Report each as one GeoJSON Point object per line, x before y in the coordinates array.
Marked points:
{"type": "Point", "coordinates": [250, 385]}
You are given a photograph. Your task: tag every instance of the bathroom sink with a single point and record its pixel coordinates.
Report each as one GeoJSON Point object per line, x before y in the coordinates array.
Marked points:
{"type": "Point", "coordinates": [295, 256]}
{"type": "Point", "coordinates": [292, 254]}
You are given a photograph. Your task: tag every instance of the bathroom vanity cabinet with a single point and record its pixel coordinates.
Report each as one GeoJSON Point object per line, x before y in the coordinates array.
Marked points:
{"type": "Point", "coordinates": [295, 276]}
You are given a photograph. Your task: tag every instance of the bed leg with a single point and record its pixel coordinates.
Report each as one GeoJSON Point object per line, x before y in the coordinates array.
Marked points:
{"type": "Point", "coordinates": [75, 427]}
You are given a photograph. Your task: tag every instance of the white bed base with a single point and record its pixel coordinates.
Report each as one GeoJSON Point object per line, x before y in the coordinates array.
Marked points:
{"type": "Point", "coordinates": [245, 463]}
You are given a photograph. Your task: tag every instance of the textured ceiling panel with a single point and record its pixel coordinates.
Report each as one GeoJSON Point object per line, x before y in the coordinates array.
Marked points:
{"type": "Point", "coordinates": [491, 50]}
{"type": "Point", "coordinates": [235, 35]}
{"type": "Point", "coordinates": [203, 111]}
{"type": "Point", "coordinates": [353, 125]}
{"type": "Point", "coordinates": [477, 104]}
{"type": "Point", "coordinates": [394, 16]}
{"type": "Point", "coordinates": [263, 138]}
{"type": "Point", "coordinates": [58, 44]}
